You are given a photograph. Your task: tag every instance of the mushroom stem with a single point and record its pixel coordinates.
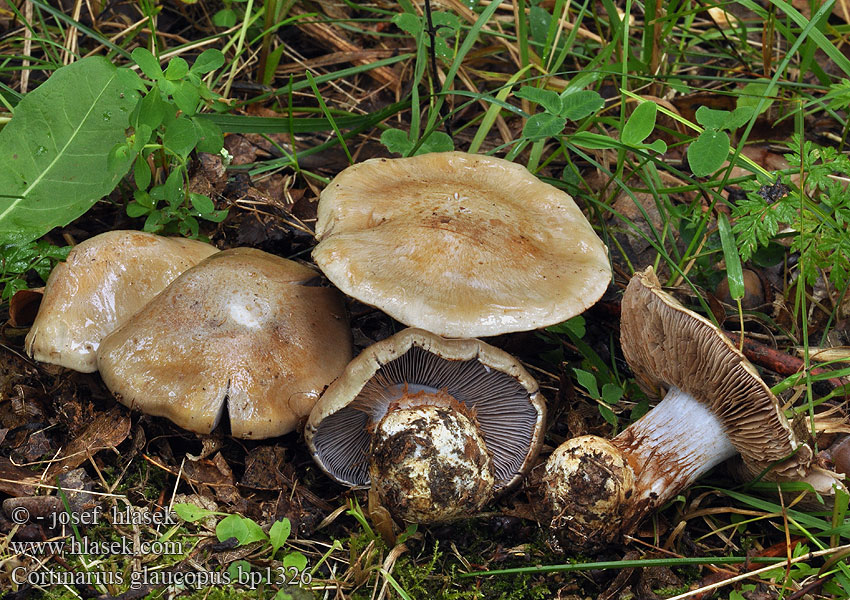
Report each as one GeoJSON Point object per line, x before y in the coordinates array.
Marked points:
{"type": "Point", "coordinates": [670, 447]}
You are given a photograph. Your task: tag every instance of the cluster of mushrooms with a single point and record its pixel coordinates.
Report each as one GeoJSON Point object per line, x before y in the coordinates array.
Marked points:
{"type": "Point", "coordinates": [433, 421]}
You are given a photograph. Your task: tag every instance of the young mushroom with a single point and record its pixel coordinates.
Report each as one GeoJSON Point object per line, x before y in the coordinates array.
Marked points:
{"type": "Point", "coordinates": [243, 330]}
{"type": "Point", "coordinates": [436, 426]}
{"type": "Point", "coordinates": [462, 245]}
{"type": "Point", "coordinates": [716, 406]}
{"type": "Point", "coordinates": [105, 280]}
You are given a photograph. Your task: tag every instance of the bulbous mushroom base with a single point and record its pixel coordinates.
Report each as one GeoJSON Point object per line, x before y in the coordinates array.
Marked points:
{"type": "Point", "coordinates": [429, 464]}
{"type": "Point", "coordinates": [587, 483]}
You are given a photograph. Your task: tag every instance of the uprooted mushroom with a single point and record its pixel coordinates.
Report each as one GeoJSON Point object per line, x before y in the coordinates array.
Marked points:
{"type": "Point", "coordinates": [243, 332]}
{"type": "Point", "coordinates": [716, 406]}
{"type": "Point", "coordinates": [436, 426]}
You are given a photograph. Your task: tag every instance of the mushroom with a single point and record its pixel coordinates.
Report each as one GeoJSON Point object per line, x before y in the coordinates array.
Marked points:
{"type": "Point", "coordinates": [436, 426]}
{"type": "Point", "coordinates": [716, 406]}
{"type": "Point", "coordinates": [459, 244]}
{"type": "Point", "coordinates": [242, 329]}
{"type": "Point", "coordinates": [105, 280]}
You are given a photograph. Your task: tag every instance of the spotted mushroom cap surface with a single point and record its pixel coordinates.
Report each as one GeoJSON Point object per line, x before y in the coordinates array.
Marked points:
{"type": "Point", "coordinates": [459, 244]}
{"type": "Point", "coordinates": [494, 386]}
{"type": "Point", "coordinates": [666, 344]}
{"type": "Point", "coordinates": [243, 331]}
{"type": "Point", "coordinates": [104, 281]}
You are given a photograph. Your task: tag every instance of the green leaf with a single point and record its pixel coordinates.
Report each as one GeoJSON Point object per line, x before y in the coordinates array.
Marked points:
{"type": "Point", "coordinates": [232, 526]}
{"type": "Point", "coordinates": [177, 69]}
{"type": "Point", "coordinates": [148, 63]}
{"type": "Point", "coordinates": [640, 124]}
{"type": "Point", "coordinates": [396, 141]}
{"type": "Point", "coordinates": [611, 393]}
{"type": "Point", "coordinates": [739, 117]}
{"type": "Point", "coordinates": [209, 60]}
{"type": "Point", "coordinates": [151, 111]}
{"type": "Point", "coordinates": [587, 381]}
{"type": "Point", "coordinates": [592, 141]}
{"type": "Point", "coordinates": [576, 326]}
{"type": "Point", "coordinates": [191, 513]}
{"type": "Point", "coordinates": [548, 99]}
{"type": "Point", "coordinates": [279, 533]}
{"type": "Point", "coordinates": [201, 203]}
{"type": "Point", "coordinates": [410, 24]}
{"type": "Point", "coordinates": [224, 18]}
{"type": "Point", "coordinates": [54, 153]}
{"type": "Point", "coordinates": [752, 93]}
{"type": "Point", "coordinates": [543, 125]}
{"type": "Point", "coordinates": [186, 97]}
{"type": "Point", "coordinates": [172, 187]}
{"type": "Point", "coordinates": [578, 105]}
{"type": "Point", "coordinates": [255, 532]}
{"type": "Point", "coordinates": [608, 415]}
{"type": "Point", "coordinates": [712, 119]}
{"type": "Point", "coordinates": [180, 136]}
{"type": "Point", "coordinates": [295, 560]}
{"type": "Point", "coordinates": [438, 141]}
{"type": "Point", "coordinates": [210, 138]}
{"type": "Point", "coordinates": [708, 152]}
{"type": "Point", "coordinates": [141, 173]}
{"type": "Point", "coordinates": [238, 570]}
{"type": "Point", "coordinates": [734, 272]}
{"type": "Point", "coordinates": [659, 146]}
{"type": "Point", "coordinates": [135, 210]}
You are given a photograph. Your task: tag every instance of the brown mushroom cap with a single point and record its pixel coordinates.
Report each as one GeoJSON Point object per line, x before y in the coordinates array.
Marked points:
{"type": "Point", "coordinates": [459, 244]}
{"type": "Point", "coordinates": [105, 280]}
{"type": "Point", "coordinates": [243, 325]}
{"type": "Point", "coordinates": [504, 398]}
{"type": "Point", "coordinates": [661, 340]}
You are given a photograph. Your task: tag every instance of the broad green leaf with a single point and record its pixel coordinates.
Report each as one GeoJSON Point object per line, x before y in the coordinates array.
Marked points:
{"type": "Point", "coordinates": [180, 136]}
{"type": "Point", "coordinates": [148, 63]}
{"type": "Point", "coordinates": [734, 272]}
{"type": "Point", "coordinates": [543, 125]}
{"type": "Point", "coordinates": [172, 187]}
{"type": "Point", "coordinates": [578, 105]}
{"type": "Point", "coordinates": [54, 152]}
{"type": "Point", "coordinates": [548, 99]}
{"type": "Point", "coordinates": [255, 532]}
{"type": "Point", "coordinates": [640, 124]}
{"type": "Point", "coordinates": [279, 533]}
{"type": "Point", "coordinates": [659, 146]}
{"type": "Point", "coordinates": [209, 60]}
{"type": "Point", "coordinates": [238, 570]}
{"type": "Point", "coordinates": [708, 152]}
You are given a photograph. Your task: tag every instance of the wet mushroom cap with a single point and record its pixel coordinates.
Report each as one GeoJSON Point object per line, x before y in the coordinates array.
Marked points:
{"type": "Point", "coordinates": [504, 398]}
{"type": "Point", "coordinates": [243, 330]}
{"type": "Point", "coordinates": [462, 245]}
{"type": "Point", "coordinates": [660, 339]}
{"type": "Point", "coordinates": [105, 280]}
